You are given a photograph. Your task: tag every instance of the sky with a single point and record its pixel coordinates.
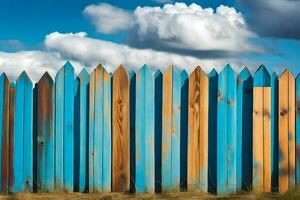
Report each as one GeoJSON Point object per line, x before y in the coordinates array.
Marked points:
{"type": "Point", "coordinates": [38, 36]}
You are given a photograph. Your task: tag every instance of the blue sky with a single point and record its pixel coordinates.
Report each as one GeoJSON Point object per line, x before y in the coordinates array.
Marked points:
{"type": "Point", "coordinates": [80, 31]}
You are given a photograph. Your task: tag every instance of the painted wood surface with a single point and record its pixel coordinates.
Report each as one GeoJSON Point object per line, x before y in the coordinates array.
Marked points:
{"type": "Point", "coordinates": [212, 131]}
{"type": "Point", "coordinates": [244, 129]}
{"type": "Point", "coordinates": [261, 179]}
{"type": "Point", "coordinates": [144, 137]}
{"type": "Point", "coordinates": [171, 130]}
{"type": "Point", "coordinates": [297, 172]}
{"type": "Point", "coordinates": [4, 133]}
{"type": "Point", "coordinates": [286, 127]}
{"type": "Point", "coordinates": [100, 131]}
{"type": "Point", "coordinates": [198, 131]}
{"type": "Point", "coordinates": [226, 132]}
{"type": "Point", "coordinates": [45, 133]}
{"type": "Point", "coordinates": [120, 131]}
{"type": "Point", "coordinates": [64, 129]}
{"type": "Point", "coordinates": [274, 132]}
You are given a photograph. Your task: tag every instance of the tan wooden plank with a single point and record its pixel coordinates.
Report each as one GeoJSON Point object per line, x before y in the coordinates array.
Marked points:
{"type": "Point", "coordinates": [120, 131]}
{"type": "Point", "coordinates": [291, 131]}
{"type": "Point", "coordinates": [283, 133]}
{"type": "Point", "coordinates": [267, 138]}
{"type": "Point", "coordinates": [258, 162]}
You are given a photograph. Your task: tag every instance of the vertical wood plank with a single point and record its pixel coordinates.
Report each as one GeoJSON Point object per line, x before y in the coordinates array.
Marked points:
{"type": "Point", "coordinates": [4, 132]}
{"type": "Point", "coordinates": [100, 130]}
{"type": "Point", "coordinates": [274, 131]}
{"type": "Point", "coordinates": [261, 131]}
{"type": "Point", "coordinates": [226, 132]}
{"type": "Point", "coordinates": [81, 130]}
{"type": "Point", "coordinates": [286, 131]}
{"type": "Point", "coordinates": [244, 129]}
{"type": "Point", "coordinates": [144, 130]}
{"type": "Point", "coordinates": [171, 130]}
{"type": "Point", "coordinates": [298, 130]}
{"type": "Point", "coordinates": [120, 131]}
{"type": "Point", "coordinates": [12, 98]}
{"type": "Point", "coordinates": [198, 131]}
{"type": "Point", "coordinates": [45, 133]}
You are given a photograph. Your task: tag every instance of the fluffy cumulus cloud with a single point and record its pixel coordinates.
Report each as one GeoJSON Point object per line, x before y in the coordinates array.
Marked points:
{"type": "Point", "coordinates": [193, 27]}
{"type": "Point", "coordinates": [274, 18]}
{"type": "Point", "coordinates": [108, 19]}
{"type": "Point", "coordinates": [88, 51]}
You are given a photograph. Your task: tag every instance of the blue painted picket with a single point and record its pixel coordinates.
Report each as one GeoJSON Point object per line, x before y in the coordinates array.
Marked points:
{"type": "Point", "coordinates": [81, 111]}
{"type": "Point", "coordinates": [274, 131]}
{"type": "Point", "coordinates": [144, 137]}
{"type": "Point", "coordinates": [298, 130]}
{"type": "Point", "coordinates": [45, 133]}
{"type": "Point", "coordinates": [100, 131]}
{"type": "Point", "coordinates": [171, 130]}
{"type": "Point", "coordinates": [22, 141]}
{"type": "Point", "coordinates": [244, 129]}
{"type": "Point", "coordinates": [64, 128]}
{"type": "Point", "coordinates": [226, 132]}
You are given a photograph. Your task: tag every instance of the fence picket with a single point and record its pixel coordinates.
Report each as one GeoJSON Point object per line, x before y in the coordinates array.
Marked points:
{"type": "Point", "coordinates": [4, 133]}
{"type": "Point", "coordinates": [244, 129]}
{"type": "Point", "coordinates": [45, 137]}
{"type": "Point", "coordinates": [286, 127]}
{"type": "Point", "coordinates": [121, 131]}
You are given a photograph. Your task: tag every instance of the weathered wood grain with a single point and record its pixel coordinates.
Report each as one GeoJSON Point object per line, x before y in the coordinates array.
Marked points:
{"type": "Point", "coordinates": [297, 131]}
{"type": "Point", "coordinates": [198, 131]}
{"type": "Point", "coordinates": [120, 131]}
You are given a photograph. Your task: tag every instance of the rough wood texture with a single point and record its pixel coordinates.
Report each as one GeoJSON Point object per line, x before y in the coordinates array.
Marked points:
{"type": "Point", "coordinates": [198, 131]}
{"type": "Point", "coordinates": [120, 132]}
{"type": "Point", "coordinates": [4, 132]}
{"type": "Point", "coordinates": [286, 131]}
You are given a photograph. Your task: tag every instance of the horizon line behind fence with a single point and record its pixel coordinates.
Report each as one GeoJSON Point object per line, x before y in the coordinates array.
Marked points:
{"type": "Point", "coordinates": [150, 132]}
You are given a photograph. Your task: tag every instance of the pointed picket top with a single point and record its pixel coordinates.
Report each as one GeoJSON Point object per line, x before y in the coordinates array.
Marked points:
{"type": "Point", "coordinates": [83, 74]}
{"type": "Point", "coordinates": [273, 75]}
{"type": "Point", "coordinates": [183, 74]}
{"type": "Point", "coordinates": [243, 75]}
{"type": "Point", "coordinates": [4, 76]}
{"type": "Point", "coordinates": [68, 65]}
{"type": "Point", "coordinates": [199, 70]}
{"type": "Point", "coordinates": [213, 73]}
{"type": "Point", "coordinates": [157, 73]}
{"type": "Point", "coordinates": [46, 77]}
{"type": "Point", "coordinates": [298, 76]}
{"type": "Point", "coordinates": [121, 71]}
{"type": "Point", "coordinates": [145, 69]}
{"type": "Point", "coordinates": [227, 70]}
{"type": "Point", "coordinates": [262, 77]}
{"type": "Point", "coordinates": [286, 72]}
{"type": "Point", "coordinates": [24, 76]}
{"type": "Point", "coordinates": [100, 67]}
{"type": "Point", "coordinates": [172, 70]}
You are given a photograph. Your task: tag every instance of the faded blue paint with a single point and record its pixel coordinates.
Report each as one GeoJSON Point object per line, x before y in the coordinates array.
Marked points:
{"type": "Point", "coordinates": [298, 130]}
{"type": "Point", "coordinates": [2, 77]}
{"type": "Point", "coordinates": [274, 131]}
{"type": "Point", "coordinates": [212, 131]}
{"type": "Point", "coordinates": [81, 130]}
{"type": "Point", "coordinates": [226, 132]}
{"type": "Point", "coordinates": [64, 139]}
{"type": "Point", "coordinates": [244, 129]}
{"type": "Point", "coordinates": [145, 173]}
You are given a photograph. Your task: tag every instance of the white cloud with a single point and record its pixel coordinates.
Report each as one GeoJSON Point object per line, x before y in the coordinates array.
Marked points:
{"type": "Point", "coordinates": [35, 63]}
{"type": "Point", "coordinates": [90, 52]}
{"type": "Point", "coordinates": [108, 18]}
{"type": "Point", "coordinates": [193, 27]}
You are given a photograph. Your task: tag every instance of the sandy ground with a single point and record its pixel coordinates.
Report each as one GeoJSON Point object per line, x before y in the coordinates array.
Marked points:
{"type": "Point", "coordinates": [174, 196]}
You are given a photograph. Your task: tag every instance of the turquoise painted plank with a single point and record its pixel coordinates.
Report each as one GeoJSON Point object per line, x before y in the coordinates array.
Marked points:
{"type": "Point", "coordinates": [158, 128]}
{"type": "Point", "coordinates": [91, 133]}
{"type": "Point", "coordinates": [262, 77]}
{"type": "Point", "coordinates": [184, 132]}
{"type": "Point", "coordinates": [107, 138]}
{"type": "Point", "coordinates": [212, 131]}
{"type": "Point", "coordinates": [226, 132]}
{"type": "Point", "coordinates": [59, 122]}
{"type": "Point", "coordinates": [244, 129]}
{"type": "Point", "coordinates": [175, 136]}
{"type": "Point", "coordinates": [298, 130]}
{"type": "Point", "coordinates": [145, 131]}
{"type": "Point", "coordinates": [81, 130]}
{"type": "Point", "coordinates": [274, 131]}
{"type": "Point", "coordinates": [68, 128]}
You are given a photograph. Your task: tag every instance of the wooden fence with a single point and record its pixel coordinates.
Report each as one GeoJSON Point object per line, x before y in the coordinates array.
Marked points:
{"type": "Point", "coordinates": [150, 132]}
